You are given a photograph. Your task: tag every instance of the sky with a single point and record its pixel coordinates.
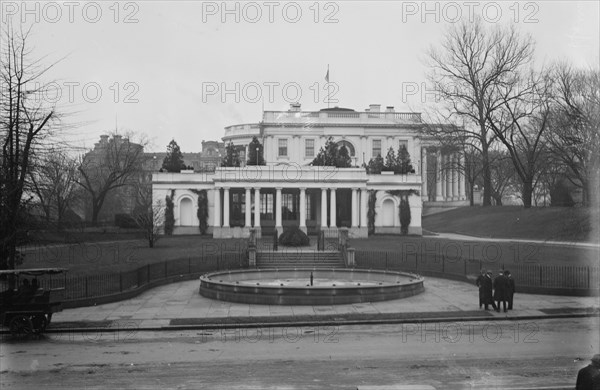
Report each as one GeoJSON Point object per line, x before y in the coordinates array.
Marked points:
{"type": "Point", "coordinates": [184, 70]}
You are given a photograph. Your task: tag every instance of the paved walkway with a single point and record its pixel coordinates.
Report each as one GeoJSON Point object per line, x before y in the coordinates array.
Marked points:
{"type": "Point", "coordinates": [158, 307]}
{"type": "Point", "coordinates": [463, 237]}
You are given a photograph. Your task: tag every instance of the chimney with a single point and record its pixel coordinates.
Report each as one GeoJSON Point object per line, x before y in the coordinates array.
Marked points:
{"type": "Point", "coordinates": [295, 107]}
{"type": "Point", "coordinates": [374, 107]}
{"type": "Point", "coordinates": [389, 109]}
{"type": "Point", "coordinates": [103, 139]}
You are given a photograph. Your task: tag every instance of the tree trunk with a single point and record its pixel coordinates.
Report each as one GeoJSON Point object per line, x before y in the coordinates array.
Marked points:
{"type": "Point", "coordinates": [487, 175]}
{"type": "Point", "coordinates": [497, 199]}
{"type": "Point", "coordinates": [471, 195]}
{"type": "Point", "coordinates": [527, 193]}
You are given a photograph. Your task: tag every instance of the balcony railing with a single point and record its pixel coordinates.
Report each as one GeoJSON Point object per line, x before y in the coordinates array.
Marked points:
{"type": "Point", "coordinates": [341, 117]}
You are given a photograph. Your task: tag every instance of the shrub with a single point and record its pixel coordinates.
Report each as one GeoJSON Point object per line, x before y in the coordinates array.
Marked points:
{"type": "Point", "coordinates": [293, 236]}
{"type": "Point", "coordinates": [169, 215]}
{"type": "Point", "coordinates": [125, 221]}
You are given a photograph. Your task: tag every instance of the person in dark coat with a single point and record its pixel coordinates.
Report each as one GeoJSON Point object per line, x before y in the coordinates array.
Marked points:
{"type": "Point", "coordinates": [479, 283]}
{"type": "Point", "coordinates": [488, 298]}
{"type": "Point", "coordinates": [510, 289]}
{"type": "Point", "coordinates": [501, 291]}
{"type": "Point", "coordinates": [588, 378]}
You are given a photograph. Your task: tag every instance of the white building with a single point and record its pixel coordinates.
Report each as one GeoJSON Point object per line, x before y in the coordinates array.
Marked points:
{"type": "Point", "coordinates": [288, 191]}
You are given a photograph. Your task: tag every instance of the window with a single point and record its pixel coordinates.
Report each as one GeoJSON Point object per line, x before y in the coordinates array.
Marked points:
{"type": "Point", "coordinates": [376, 147]}
{"type": "Point", "coordinates": [402, 143]}
{"type": "Point", "coordinates": [288, 206]}
{"type": "Point", "coordinates": [266, 206]}
{"type": "Point", "coordinates": [309, 148]}
{"type": "Point", "coordinates": [282, 147]}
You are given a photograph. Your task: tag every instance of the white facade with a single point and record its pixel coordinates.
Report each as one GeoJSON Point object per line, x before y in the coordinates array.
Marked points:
{"type": "Point", "coordinates": [288, 191]}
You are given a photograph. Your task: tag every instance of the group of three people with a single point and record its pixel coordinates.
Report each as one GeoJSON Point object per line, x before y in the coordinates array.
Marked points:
{"type": "Point", "coordinates": [492, 292]}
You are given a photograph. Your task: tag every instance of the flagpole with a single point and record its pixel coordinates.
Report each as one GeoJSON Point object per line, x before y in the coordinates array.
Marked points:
{"type": "Point", "coordinates": [328, 93]}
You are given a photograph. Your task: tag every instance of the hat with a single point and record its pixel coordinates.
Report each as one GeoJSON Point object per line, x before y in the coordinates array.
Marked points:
{"type": "Point", "coordinates": [596, 358]}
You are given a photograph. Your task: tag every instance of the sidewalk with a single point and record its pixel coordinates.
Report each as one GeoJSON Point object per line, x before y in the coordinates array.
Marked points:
{"type": "Point", "coordinates": [179, 305]}
{"type": "Point", "coordinates": [463, 237]}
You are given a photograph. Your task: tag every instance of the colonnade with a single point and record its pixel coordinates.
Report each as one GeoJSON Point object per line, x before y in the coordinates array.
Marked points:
{"type": "Point", "coordinates": [449, 176]}
{"type": "Point", "coordinates": [358, 207]}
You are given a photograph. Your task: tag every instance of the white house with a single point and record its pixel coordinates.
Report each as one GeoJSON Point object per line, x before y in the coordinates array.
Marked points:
{"type": "Point", "coordinates": [288, 191]}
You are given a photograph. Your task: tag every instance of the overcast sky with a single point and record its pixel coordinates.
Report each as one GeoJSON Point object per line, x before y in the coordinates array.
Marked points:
{"type": "Point", "coordinates": [161, 66]}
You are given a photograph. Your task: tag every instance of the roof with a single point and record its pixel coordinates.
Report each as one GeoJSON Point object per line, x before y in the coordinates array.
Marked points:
{"type": "Point", "coordinates": [337, 109]}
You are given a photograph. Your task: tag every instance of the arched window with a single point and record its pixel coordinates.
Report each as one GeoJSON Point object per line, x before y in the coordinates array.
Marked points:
{"type": "Point", "coordinates": [348, 146]}
{"type": "Point", "coordinates": [186, 212]}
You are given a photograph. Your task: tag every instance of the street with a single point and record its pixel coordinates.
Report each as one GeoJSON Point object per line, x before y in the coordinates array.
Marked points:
{"type": "Point", "coordinates": [479, 355]}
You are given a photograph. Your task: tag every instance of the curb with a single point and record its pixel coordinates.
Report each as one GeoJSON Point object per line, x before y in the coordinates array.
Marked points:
{"type": "Point", "coordinates": [280, 324]}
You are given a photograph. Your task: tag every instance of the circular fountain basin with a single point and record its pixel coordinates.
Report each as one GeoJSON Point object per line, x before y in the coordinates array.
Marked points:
{"type": "Point", "coordinates": [292, 287]}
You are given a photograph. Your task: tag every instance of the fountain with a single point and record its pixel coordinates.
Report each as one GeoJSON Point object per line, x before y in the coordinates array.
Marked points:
{"type": "Point", "coordinates": [326, 286]}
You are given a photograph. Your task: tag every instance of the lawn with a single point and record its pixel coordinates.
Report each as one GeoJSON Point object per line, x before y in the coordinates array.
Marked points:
{"type": "Point", "coordinates": [94, 257]}
{"type": "Point", "coordinates": [577, 224]}
{"type": "Point", "coordinates": [97, 257]}
{"type": "Point", "coordinates": [506, 253]}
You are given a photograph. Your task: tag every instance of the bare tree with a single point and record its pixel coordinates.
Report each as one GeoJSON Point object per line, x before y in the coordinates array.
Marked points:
{"type": "Point", "coordinates": [502, 173]}
{"type": "Point", "coordinates": [574, 137]}
{"type": "Point", "coordinates": [114, 163]}
{"type": "Point", "coordinates": [54, 182]}
{"type": "Point", "coordinates": [465, 72]}
{"type": "Point", "coordinates": [520, 122]}
{"type": "Point", "coordinates": [149, 215]}
{"type": "Point", "coordinates": [25, 122]}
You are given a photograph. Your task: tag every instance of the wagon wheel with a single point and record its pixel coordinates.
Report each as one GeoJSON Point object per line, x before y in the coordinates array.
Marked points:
{"type": "Point", "coordinates": [20, 325]}
{"type": "Point", "coordinates": [39, 323]}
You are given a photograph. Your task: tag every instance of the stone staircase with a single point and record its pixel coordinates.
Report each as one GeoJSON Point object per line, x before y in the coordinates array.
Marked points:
{"type": "Point", "coordinates": [299, 259]}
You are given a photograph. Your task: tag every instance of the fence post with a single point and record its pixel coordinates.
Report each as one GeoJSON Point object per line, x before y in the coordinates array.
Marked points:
{"type": "Point", "coordinates": [86, 285]}
{"type": "Point", "coordinates": [588, 277]}
{"type": "Point", "coordinates": [121, 280]}
{"type": "Point", "coordinates": [148, 274]}
{"type": "Point", "coordinates": [443, 263]}
{"type": "Point", "coordinates": [386, 261]}
{"type": "Point", "coordinates": [189, 265]}
{"type": "Point", "coordinates": [165, 269]}
{"type": "Point", "coordinates": [465, 266]}
{"type": "Point", "coordinates": [540, 267]}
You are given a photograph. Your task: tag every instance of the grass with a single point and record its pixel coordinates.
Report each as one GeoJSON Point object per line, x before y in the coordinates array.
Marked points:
{"type": "Point", "coordinates": [495, 252]}
{"type": "Point", "coordinates": [539, 223]}
{"type": "Point", "coordinates": [93, 257]}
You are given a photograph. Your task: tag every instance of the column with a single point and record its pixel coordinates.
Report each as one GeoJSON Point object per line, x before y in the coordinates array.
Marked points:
{"type": "Point", "coordinates": [302, 207]}
{"type": "Point", "coordinates": [448, 181]}
{"type": "Point", "coordinates": [257, 207]}
{"type": "Point", "coordinates": [323, 208]}
{"type": "Point", "coordinates": [217, 208]}
{"type": "Point", "coordinates": [332, 211]}
{"type": "Point", "coordinates": [278, 224]}
{"type": "Point", "coordinates": [225, 207]}
{"type": "Point", "coordinates": [424, 195]}
{"type": "Point", "coordinates": [354, 207]}
{"type": "Point", "coordinates": [364, 198]}
{"type": "Point", "coordinates": [454, 177]}
{"type": "Point", "coordinates": [248, 223]}
{"type": "Point", "coordinates": [438, 178]}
